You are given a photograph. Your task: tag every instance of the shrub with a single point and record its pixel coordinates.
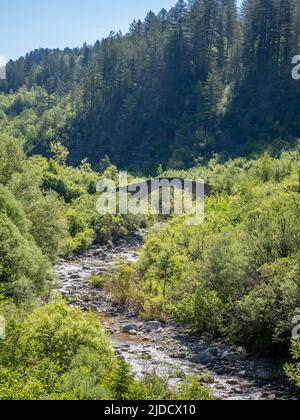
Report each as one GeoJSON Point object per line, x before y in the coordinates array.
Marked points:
{"type": "Point", "coordinates": [24, 271]}
{"type": "Point", "coordinates": [293, 370]}
{"type": "Point", "coordinates": [262, 318]}
{"type": "Point", "coordinates": [122, 286]}
{"type": "Point", "coordinates": [11, 158]}
{"type": "Point", "coordinates": [99, 281]}
{"type": "Point", "coordinates": [55, 353]}
{"type": "Point", "coordinates": [207, 310]}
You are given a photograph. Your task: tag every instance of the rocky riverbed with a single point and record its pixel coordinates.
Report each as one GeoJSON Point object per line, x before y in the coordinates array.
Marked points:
{"type": "Point", "coordinates": [168, 350]}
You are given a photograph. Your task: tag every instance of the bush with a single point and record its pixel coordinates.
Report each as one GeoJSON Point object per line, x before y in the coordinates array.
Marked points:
{"type": "Point", "coordinates": [208, 311]}
{"type": "Point", "coordinates": [45, 211]}
{"type": "Point", "coordinates": [191, 390]}
{"type": "Point", "coordinates": [262, 318]}
{"type": "Point", "coordinates": [293, 370]}
{"type": "Point", "coordinates": [122, 286]}
{"type": "Point", "coordinates": [99, 281]}
{"type": "Point", "coordinates": [155, 388]}
{"type": "Point", "coordinates": [24, 271]}
{"type": "Point", "coordinates": [61, 333]}
{"type": "Point", "coordinates": [153, 307]}
{"type": "Point", "coordinates": [11, 158]}
{"type": "Point", "coordinates": [55, 353]}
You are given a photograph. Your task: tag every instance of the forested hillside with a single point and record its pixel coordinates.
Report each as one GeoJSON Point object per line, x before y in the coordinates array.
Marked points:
{"type": "Point", "coordinates": [178, 87]}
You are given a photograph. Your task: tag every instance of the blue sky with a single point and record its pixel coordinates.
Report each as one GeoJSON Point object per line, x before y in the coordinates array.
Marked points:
{"type": "Point", "coordinates": [29, 24]}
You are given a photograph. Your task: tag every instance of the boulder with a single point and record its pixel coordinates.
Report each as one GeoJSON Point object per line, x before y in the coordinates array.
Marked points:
{"type": "Point", "coordinates": [206, 339]}
{"type": "Point", "coordinates": [233, 382]}
{"type": "Point", "coordinates": [265, 374]}
{"type": "Point", "coordinates": [128, 328]}
{"type": "Point", "coordinates": [242, 373]}
{"type": "Point", "coordinates": [268, 396]}
{"type": "Point", "coordinates": [153, 326]}
{"type": "Point", "coordinates": [204, 357]}
{"type": "Point", "coordinates": [178, 355]}
{"type": "Point", "coordinates": [234, 355]}
{"type": "Point", "coordinates": [75, 276]}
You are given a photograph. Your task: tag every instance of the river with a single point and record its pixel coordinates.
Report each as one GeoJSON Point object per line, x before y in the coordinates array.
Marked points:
{"type": "Point", "coordinates": [168, 350]}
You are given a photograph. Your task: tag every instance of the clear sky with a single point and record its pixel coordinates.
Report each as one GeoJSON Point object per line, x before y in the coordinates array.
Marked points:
{"type": "Point", "coordinates": [29, 24]}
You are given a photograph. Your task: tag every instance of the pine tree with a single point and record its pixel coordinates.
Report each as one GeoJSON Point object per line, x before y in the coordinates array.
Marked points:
{"type": "Point", "coordinates": [122, 380]}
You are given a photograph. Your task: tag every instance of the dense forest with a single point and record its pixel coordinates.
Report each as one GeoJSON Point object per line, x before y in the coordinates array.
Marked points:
{"type": "Point", "coordinates": [178, 87]}
{"type": "Point", "coordinates": [204, 90]}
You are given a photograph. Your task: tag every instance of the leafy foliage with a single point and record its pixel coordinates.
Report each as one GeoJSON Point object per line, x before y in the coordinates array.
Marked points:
{"type": "Point", "coordinates": [293, 370]}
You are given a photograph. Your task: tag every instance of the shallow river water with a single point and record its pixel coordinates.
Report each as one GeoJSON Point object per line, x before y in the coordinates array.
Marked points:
{"type": "Point", "coordinates": [168, 350]}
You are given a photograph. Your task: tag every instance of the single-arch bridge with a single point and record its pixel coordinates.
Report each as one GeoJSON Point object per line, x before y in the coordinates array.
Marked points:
{"type": "Point", "coordinates": [195, 188]}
